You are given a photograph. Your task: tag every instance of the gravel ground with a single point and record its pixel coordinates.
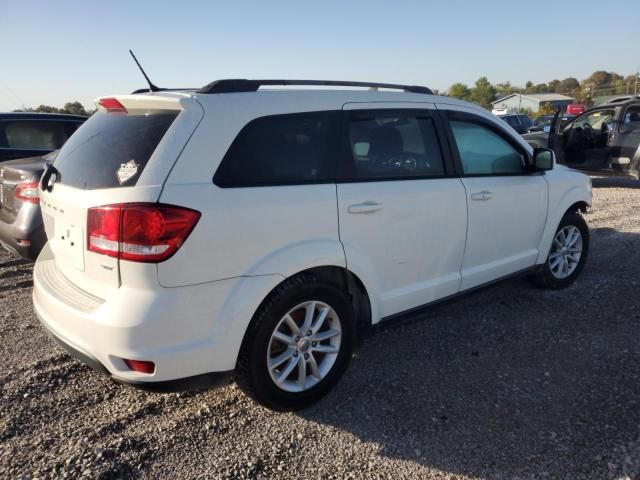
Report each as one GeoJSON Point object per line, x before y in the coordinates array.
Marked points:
{"type": "Point", "coordinates": [512, 382]}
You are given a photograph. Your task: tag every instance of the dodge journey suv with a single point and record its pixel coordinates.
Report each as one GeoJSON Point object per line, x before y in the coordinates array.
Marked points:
{"type": "Point", "coordinates": [237, 232]}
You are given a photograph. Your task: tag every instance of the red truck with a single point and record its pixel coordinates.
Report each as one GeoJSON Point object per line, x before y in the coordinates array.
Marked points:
{"type": "Point", "coordinates": [575, 109]}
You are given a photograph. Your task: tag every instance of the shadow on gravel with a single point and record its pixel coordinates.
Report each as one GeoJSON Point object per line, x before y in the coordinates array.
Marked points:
{"type": "Point", "coordinates": [513, 382]}
{"type": "Point", "coordinates": [615, 182]}
{"type": "Point", "coordinates": [14, 262]}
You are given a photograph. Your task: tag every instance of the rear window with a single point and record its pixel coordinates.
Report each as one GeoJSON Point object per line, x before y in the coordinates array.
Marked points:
{"type": "Point", "coordinates": [524, 120]}
{"type": "Point", "coordinates": [35, 134]}
{"type": "Point", "coordinates": [282, 149]}
{"type": "Point", "coordinates": [512, 121]}
{"type": "Point", "coordinates": [111, 150]}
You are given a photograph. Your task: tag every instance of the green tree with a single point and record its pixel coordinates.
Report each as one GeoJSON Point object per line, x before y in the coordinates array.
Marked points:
{"type": "Point", "coordinates": [483, 93]}
{"type": "Point", "coordinates": [71, 108]}
{"type": "Point", "coordinates": [546, 108]}
{"type": "Point", "coordinates": [506, 88]}
{"type": "Point", "coordinates": [74, 108]}
{"type": "Point", "coordinates": [569, 86]}
{"type": "Point", "coordinates": [553, 85]}
{"type": "Point", "coordinates": [459, 90]}
{"type": "Point", "coordinates": [538, 88]}
{"type": "Point", "coordinates": [601, 83]}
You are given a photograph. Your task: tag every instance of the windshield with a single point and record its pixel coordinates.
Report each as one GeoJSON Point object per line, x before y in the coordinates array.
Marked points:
{"type": "Point", "coordinates": [596, 120]}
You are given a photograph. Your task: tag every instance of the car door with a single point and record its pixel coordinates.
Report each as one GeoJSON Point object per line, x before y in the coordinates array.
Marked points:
{"type": "Point", "coordinates": [584, 142]}
{"type": "Point", "coordinates": [506, 205]}
{"type": "Point", "coordinates": [402, 211]}
{"type": "Point", "coordinates": [626, 143]}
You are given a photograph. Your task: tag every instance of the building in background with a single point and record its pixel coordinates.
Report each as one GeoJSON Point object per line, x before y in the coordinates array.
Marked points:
{"type": "Point", "coordinates": [530, 101]}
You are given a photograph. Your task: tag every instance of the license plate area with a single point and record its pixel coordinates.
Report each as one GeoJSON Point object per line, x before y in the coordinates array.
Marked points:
{"type": "Point", "coordinates": [69, 243]}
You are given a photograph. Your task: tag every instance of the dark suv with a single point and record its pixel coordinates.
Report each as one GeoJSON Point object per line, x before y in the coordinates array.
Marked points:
{"type": "Point", "coordinates": [30, 134]}
{"type": "Point", "coordinates": [520, 123]}
{"type": "Point", "coordinates": [603, 140]}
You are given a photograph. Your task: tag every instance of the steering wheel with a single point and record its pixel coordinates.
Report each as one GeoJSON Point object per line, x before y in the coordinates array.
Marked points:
{"type": "Point", "coordinates": [401, 161]}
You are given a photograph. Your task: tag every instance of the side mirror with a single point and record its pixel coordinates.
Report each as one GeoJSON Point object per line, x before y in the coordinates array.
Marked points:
{"type": "Point", "coordinates": [543, 159]}
{"type": "Point", "coordinates": [534, 129]}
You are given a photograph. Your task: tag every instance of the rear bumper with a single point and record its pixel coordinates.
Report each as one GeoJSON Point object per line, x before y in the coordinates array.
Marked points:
{"type": "Point", "coordinates": [176, 328]}
{"type": "Point", "coordinates": [27, 226]}
{"type": "Point", "coordinates": [196, 382]}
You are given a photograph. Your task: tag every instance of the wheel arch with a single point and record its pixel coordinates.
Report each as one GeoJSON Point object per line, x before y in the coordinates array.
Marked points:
{"type": "Point", "coordinates": [575, 199]}
{"type": "Point", "coordinates": [237, 314]}
{"type": "Point", "coordinates": [345, 280]}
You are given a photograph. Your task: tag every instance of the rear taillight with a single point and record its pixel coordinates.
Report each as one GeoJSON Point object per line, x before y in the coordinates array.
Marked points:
{"type": "Point", "coordinates": [112, 105]}
{"type": "Point", "coordinates": [139, 232]}
{"type": "Point", "coordinates": [28, 192]}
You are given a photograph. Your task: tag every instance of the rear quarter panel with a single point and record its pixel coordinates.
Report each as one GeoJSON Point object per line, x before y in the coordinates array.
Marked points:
{"type": "Point", "coordinates": [247, 231]}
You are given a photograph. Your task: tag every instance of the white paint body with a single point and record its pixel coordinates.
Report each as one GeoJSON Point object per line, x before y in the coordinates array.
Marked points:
{"type": "Point", "coordinates": [189, 313]}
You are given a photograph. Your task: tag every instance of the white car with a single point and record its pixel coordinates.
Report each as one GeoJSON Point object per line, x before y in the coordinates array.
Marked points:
{"type": "Point", "coordinates": [245, 233]}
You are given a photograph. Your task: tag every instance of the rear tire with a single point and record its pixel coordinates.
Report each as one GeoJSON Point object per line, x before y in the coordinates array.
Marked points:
{"type": "Point", "coordinates": [298, 344]}
{"type": "Point", "coordinates": [567, 255]}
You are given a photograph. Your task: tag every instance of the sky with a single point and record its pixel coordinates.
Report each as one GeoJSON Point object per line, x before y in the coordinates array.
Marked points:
{"type": "Point", "coordinates": [60, 51]}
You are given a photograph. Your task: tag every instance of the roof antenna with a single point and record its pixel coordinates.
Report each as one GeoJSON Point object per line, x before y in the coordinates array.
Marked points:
{"type": "Point", "coordinates": [152, 87]}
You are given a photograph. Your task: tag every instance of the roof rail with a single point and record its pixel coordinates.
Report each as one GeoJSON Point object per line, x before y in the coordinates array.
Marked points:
{"type": "Point", "coordinates": [159, 89]}
{"type": "Point", "coordinates": [243, 85]}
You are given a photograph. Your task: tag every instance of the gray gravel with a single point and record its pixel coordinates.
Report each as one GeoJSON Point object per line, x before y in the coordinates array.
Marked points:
{"type": "Point", "coordinates": [512, 382]}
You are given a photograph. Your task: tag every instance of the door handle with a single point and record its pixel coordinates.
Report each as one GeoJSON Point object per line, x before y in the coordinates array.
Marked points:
{"type": "Point", "coordinates": [365, 207]}
{"type": "Point", "coordinates": [483, 195]}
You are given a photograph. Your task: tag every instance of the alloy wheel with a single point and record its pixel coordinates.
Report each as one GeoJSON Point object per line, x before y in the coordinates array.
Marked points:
{"type": "Point", "coordinates": [566, 251]}
{"type": "Point", "coordinates": [304, 346]}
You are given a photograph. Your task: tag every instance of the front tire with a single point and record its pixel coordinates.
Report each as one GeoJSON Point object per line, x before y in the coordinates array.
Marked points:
{"type": "Point", "coordinates": [298, 344]}
{"type": "Point", "coordinates": [567, 255]}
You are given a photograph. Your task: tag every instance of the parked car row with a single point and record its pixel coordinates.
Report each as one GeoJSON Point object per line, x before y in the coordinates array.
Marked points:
{"type": "Point", "coordinates": [30, 138]}
{"type": "Point", "coordinates": [603, 140]}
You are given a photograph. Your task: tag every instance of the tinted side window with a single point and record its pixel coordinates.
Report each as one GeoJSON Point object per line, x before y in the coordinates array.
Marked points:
{"type": "Point", "coordinates": [631, 118]}
{"type": "Point", "coordinates": [512, 121]}
{"type": "Point", "coordinates": [526, 121]}
{"type": "Point", "coordinates": [484, 152]}
{"type": "Point", "coordinates": [388, 146]}
{"type": "Point", "coordinates": [34, 135]}
{"type": "Point", "coordinates": [282, 149]}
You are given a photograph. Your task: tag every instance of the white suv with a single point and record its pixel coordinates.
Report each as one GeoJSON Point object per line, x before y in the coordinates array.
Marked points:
{"type": "Point", "coordinates": [237, 232]}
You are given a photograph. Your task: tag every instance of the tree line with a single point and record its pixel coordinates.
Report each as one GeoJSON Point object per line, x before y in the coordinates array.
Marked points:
{"type": "Point", "coordinates": [483, 92]}
{"type": "Point", "coordinates": [71, 108]}
{"type": "Point", "coordinates": [597, 84]}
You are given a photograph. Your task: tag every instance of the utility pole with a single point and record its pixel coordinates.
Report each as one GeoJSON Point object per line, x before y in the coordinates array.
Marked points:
{"type": "Point", "coordinates": [635, 87]}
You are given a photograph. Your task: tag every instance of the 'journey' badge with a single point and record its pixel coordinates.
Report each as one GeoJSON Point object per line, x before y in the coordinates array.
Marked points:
{"type": "Point", "coordinates": [127, 171]}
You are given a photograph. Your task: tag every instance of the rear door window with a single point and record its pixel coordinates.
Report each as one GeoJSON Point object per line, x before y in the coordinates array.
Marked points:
{"type": "Point", "coordinates": [111, 150]}
{"type": "Point", "coordinates": [388, 146]}
{"type": "Point", "coordinates": [282, 149]}
{"type": "Point", "coordinates": [631, 119]}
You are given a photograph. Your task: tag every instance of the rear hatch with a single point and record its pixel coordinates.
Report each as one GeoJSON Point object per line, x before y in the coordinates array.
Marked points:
{"type": "Point", "coordinates": [17, 173]}
{"type": "Point", "coordinates": [121, 155]}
